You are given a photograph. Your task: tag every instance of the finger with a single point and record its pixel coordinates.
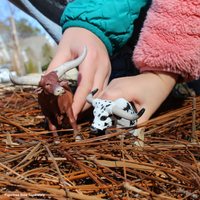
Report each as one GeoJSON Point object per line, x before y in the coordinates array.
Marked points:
{"type": "Point", "coordinates": [101, 79]}
{"type": "Point", "coordinates": [58, 60]}
{"type": "Point", "coordinates": [90, 79]}
{"type": "Point", "coordinates": [85, 82]}
{"type": "Point", "coordinates": [102, 76]}
{"type": "Point", "coordinates": [63, 53]}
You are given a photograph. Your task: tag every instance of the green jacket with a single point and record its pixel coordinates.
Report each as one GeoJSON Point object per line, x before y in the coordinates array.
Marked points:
{"type": "Point", "coordinates": [111, 20]}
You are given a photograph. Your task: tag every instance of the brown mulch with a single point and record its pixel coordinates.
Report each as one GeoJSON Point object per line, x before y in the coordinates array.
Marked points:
{"type": "Point", "coordinates": [34, 165]}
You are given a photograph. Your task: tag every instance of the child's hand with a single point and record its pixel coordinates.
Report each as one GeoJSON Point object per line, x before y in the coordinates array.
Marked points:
{"type": "Point", "coordinates": [94, 71]}
{"type": "Point", "coordinates": [147, 90]}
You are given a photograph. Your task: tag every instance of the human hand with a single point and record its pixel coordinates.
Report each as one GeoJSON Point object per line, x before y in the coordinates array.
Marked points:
{"type": "Point", "coordinates": [94, 71]}
{"type": "Point", "coordinates": [147, 90]}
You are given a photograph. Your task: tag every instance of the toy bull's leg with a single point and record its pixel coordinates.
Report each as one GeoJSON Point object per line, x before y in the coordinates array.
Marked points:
{"type": "Point", "coordinates": [49, 119]}
{"type": "Point", "coordinates": [72, 120]}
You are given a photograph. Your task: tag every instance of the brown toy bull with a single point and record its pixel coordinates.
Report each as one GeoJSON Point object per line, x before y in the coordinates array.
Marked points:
{"type": "Point", "coordinates": [54, 95]}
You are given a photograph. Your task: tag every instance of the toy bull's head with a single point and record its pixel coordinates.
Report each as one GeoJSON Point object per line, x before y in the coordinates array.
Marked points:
{"type": "Point", "coordinates": [51, 85]}
{"type": "Point", "coordinates": [45, 82]}
{"type": "Point", "coordinates": [105, 110]}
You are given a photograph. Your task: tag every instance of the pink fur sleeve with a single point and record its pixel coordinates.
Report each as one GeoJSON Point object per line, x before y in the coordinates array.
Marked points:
{"type": "Point", "coordinates": [170, 39]}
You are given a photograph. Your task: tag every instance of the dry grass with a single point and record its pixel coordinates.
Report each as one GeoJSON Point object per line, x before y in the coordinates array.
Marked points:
{"type": "Point", "coordinates": [33, 166]}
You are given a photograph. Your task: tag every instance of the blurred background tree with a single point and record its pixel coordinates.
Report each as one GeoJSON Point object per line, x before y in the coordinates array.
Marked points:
{"type": "Point", "coordinates": [23, 26]}
{"type": "Point", "coordinates": [23, 40]}
{"type": "Point", "coordinates": [25, 29]}
{"type": "Point", "coordinates": [47, 53]}
{"type": "Point", "coordinates": [6, 31]}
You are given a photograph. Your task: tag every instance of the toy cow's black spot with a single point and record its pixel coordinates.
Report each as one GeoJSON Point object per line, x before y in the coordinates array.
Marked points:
{"type": "Point", "coordinates": [132, 123]}
{"type": "Point", "coordinates": [127, 108]}
{"type": "Point", "coordinates": [103, 118]}
{"type": "Point", "coordinates": [108, 105]}
{"type": "Point", "coordinates": [117, 117]}
{"type": "Point", "coordinates": [106, 124]}
{"type": "Point", "coordinates": [99, 115]}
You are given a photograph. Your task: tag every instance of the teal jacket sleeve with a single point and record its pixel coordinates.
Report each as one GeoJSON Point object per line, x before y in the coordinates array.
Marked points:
{"type": "Point", "coordinates": [111, 20]}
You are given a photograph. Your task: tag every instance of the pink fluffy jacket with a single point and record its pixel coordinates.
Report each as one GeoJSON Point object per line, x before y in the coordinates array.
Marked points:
{"type": "Point", "coordinates": [170, 39]}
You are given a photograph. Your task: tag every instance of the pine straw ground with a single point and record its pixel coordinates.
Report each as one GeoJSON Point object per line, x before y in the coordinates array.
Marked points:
{"type": "Point", "coordinates": [33, 166]}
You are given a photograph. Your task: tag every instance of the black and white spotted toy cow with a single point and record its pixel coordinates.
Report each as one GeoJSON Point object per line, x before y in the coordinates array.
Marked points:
{"type": "Point", "coordinates": [118, 113]}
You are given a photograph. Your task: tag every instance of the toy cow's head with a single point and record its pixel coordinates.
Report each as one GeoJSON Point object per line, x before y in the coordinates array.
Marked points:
{"type": "Point", "coordinates": [105, 110]}
{"type": "Point", "coordinates": [50, 83]}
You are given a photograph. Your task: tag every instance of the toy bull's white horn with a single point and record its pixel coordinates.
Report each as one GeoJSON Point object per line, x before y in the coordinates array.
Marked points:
{"type": "Point", "coordinates": [25, 80]}
{"type": "Point", "coordinates": [89, 98]}
{"type": "Point", "coordinates": [34, 80]}
{"type": "Point", "coordinates": [121, 113]}
{"type": "Point", "coordinates": [71, 64]}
